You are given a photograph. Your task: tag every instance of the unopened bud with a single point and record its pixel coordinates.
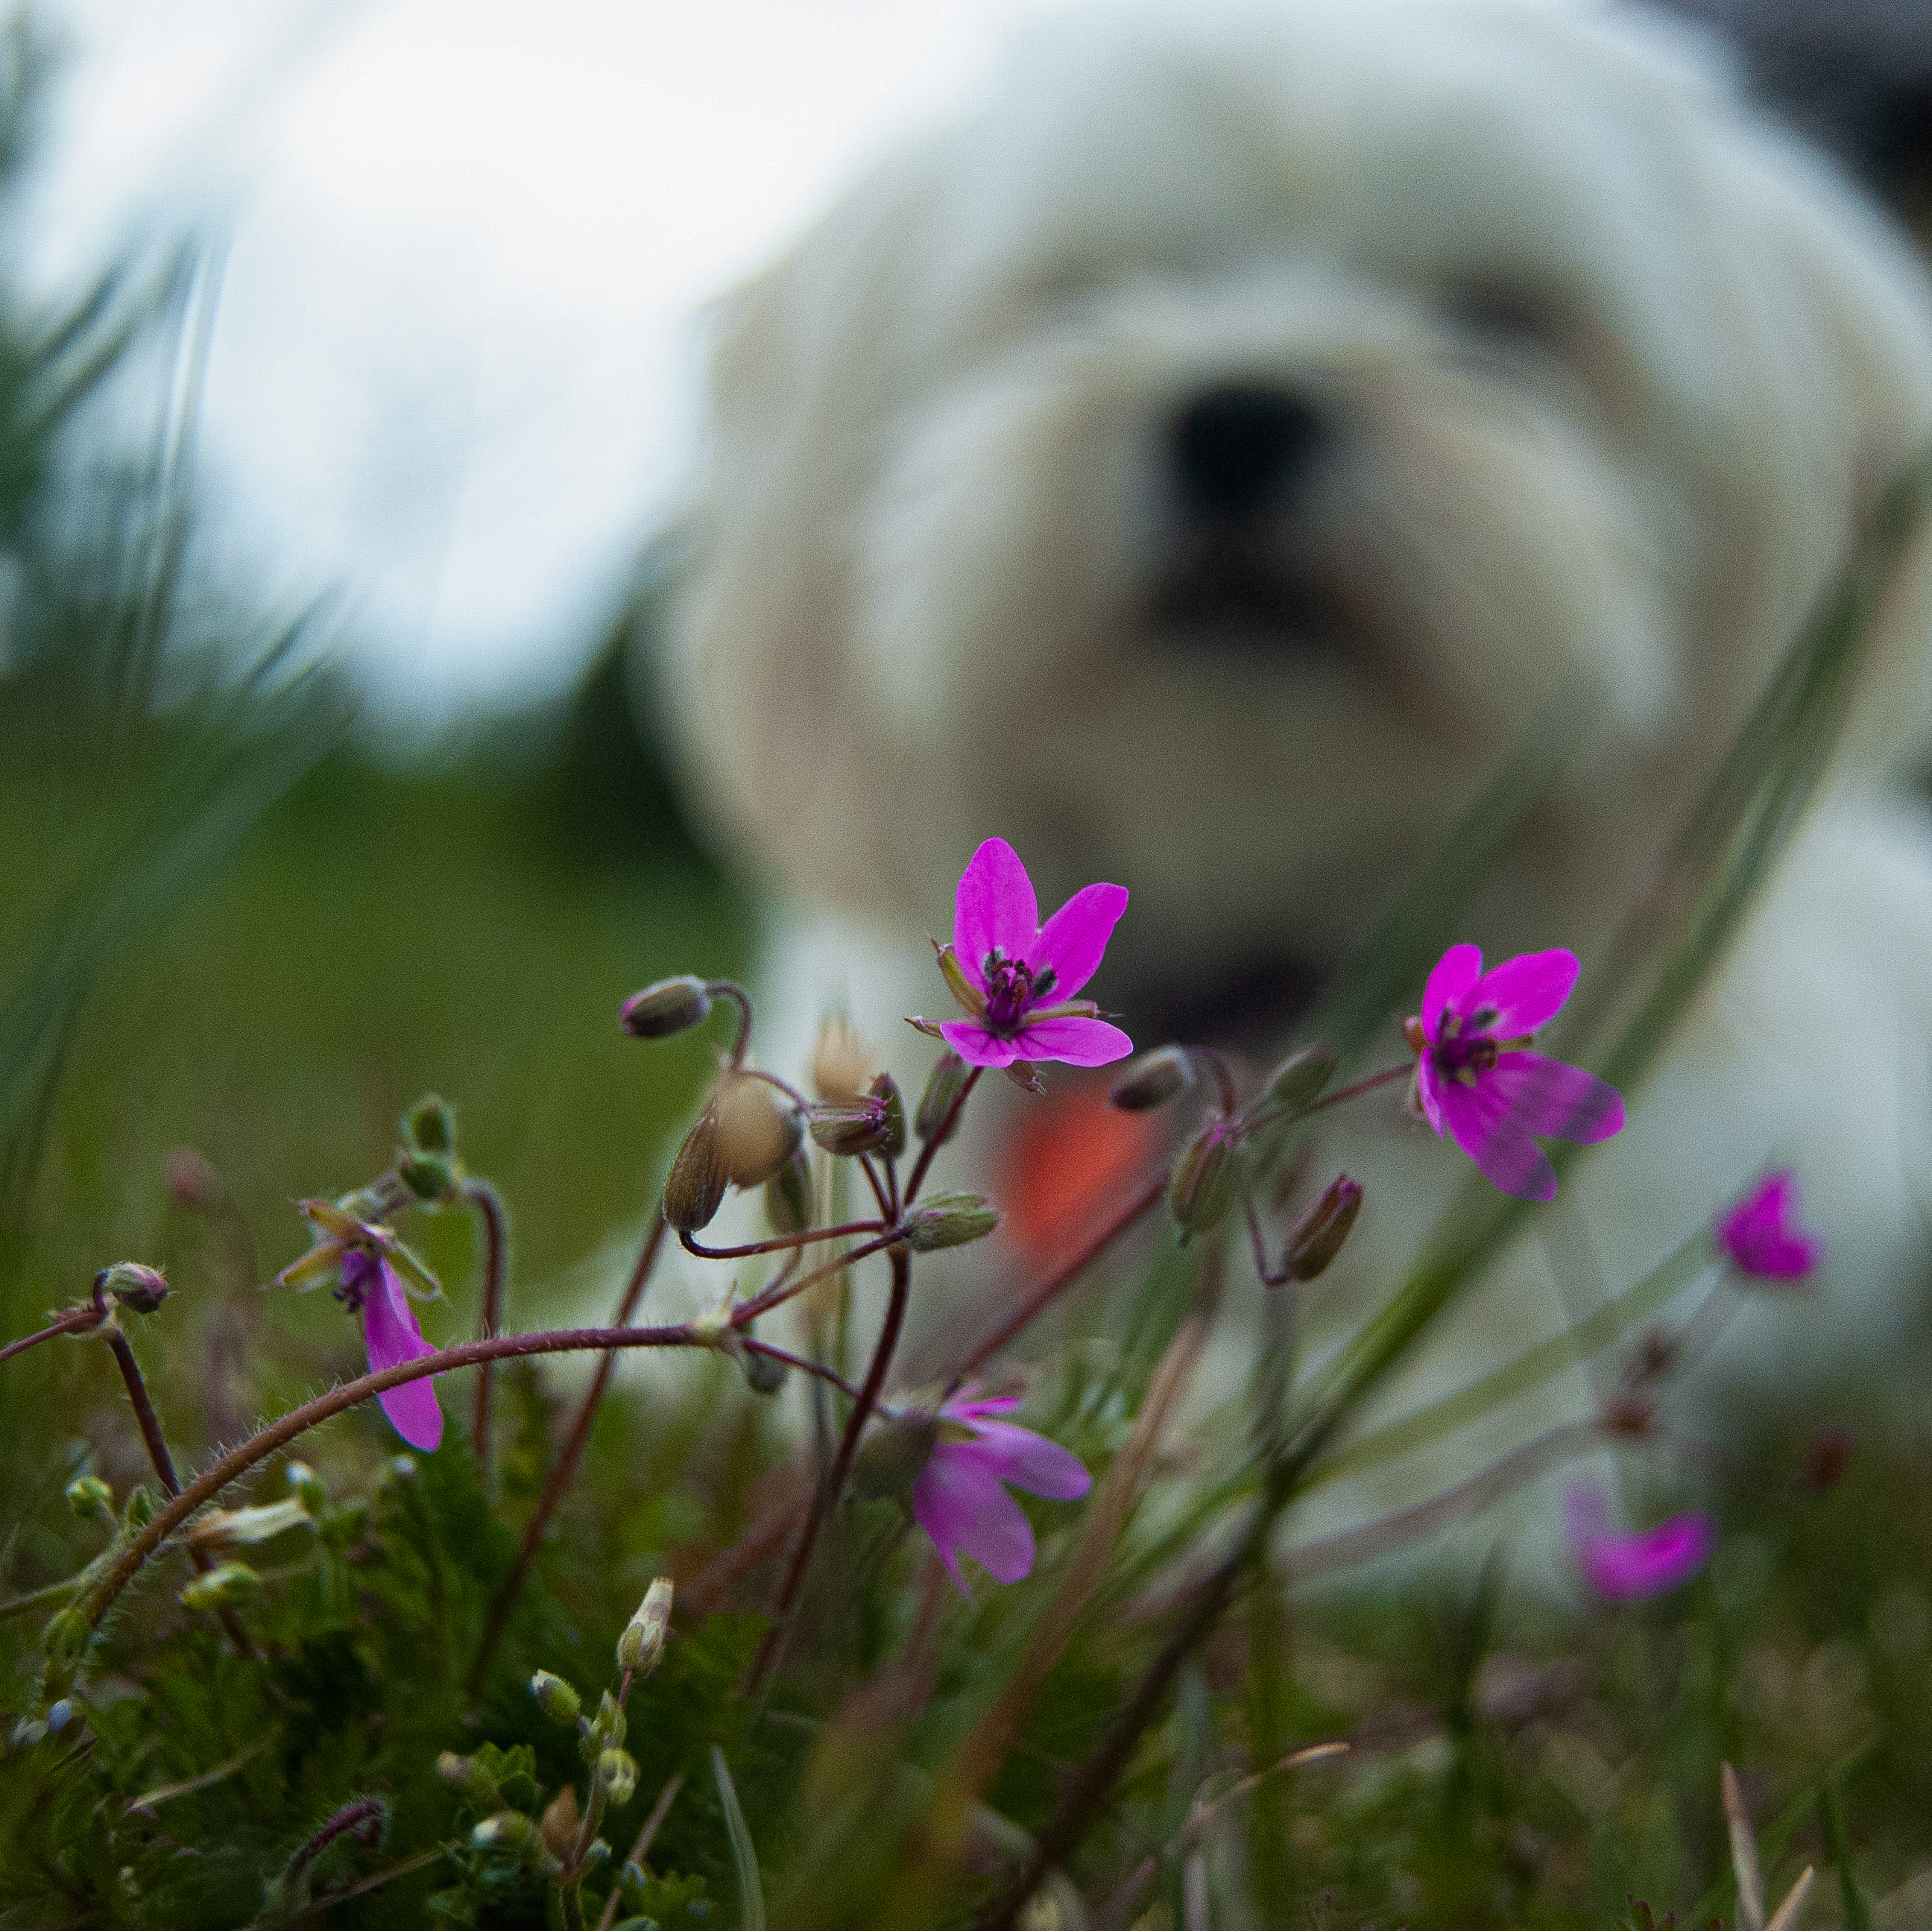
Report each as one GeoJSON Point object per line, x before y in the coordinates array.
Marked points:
{"type": "Point", "coordinates": [90, 1498]}
{"type": "Point", "coordinates": [640, 1647]}
{"type": "Point", "coordinates": [893, 1456]}
{"type": "Point", "coordinates": [788, 1196]}
{"type": "Point", "coordinates": [430, 1127]}
{"type": "Point", "coordinates": [139, 1289]}
{"type": "Point", "coordinates": [694, 1187]}
{"type": "Point", "coordinates": [1827, 1456]}
{"type": "Point", "coordinates": [948, 1220]}
{"type": "Point", "coordinates": [617, 1770]}
{"type": "Point", "coordinates": [1202, 1184]}
{"type": "Point", "coordinates": [841, 1065]}
{"type": "Point", "coordinates": [511, 1830]}
{"type": "Point", "coordinates": [140, 1509]}
{"type": "Point", "coordinates": [849, 1127]}
{"type": "Point", "coordinates": [1152, 1080]}
{"type": "Point", "coordinates": [64, 1637]}
{"type": "Point", "coordinates": [934, 1118]}
{"type": "Point", "coordinates": [555, 1697]}
{"type": "Point", "coordinates": [671, 1005]}
{"type": "Point", "coordinates": [429, 1176]}
{"type": "Point", "coordinates": [607, 1729]}
{"type": "Point", "coordinates": [1300, 1080]}
{"type": "Point", "coordinates": [764, 1374]}
{"type": "Point", "coordinates": [885, 1089]}
{"type": "Point", "coordinates": [224, 1586]}
{"type": "Point", "coordinates": [559, 1823]}
{"type": "Point", "coordinates": [1319, 1235]}
{"type": "Point", "coordinates": [758, 1128]}
{"type": "Point", "coordinates": [308, 1487]}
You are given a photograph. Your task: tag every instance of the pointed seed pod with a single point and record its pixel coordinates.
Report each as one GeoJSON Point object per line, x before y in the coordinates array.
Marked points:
{"type": "Point", "coordinates": [1152, 1080]}
{"type": "Point", "coordinates": [1300, 1080]}
{"type": "Point", "coordinates": [944, 1085]}
{"type": "Point", "coordinates": [640, 1647]}
{"type": "Point", "coordinates": [670, 1006]}
{"type": "Point", "coordinates": [1319, 1234]}
{"type": "Point", "coordinates": [846, 1128]}
{"type": "Point", "coordinates": [948, 1220]}
{"type": "Point", "coordinates": [885, 1090]}
{"type": "Point", "coordinates": [758, 1128]}
{"type": "Point", "coordinates": [555, 1698]}
{"type": "Point", "coordinates": [694, 1187]}
{"type": "Point", "coordinates": [1202, 1186]}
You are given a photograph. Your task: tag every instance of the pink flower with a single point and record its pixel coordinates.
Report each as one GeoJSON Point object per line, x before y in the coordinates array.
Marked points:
{"type": "Point", "coordinates": [1762, 1237]}
{"type": "Point", "coordinates": [1017, 977]}
{"type": "Point", "coordinates": [372, 1289]}
{"type": "Point", "coordinates": [1631, 1568]}
{"type": "Point", "coordinates": [1474, 1080]}
{"type": "Point", "coordinates": [958, 1499]}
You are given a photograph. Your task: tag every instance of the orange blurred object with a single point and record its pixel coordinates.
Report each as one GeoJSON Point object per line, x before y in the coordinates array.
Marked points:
{"type": "Point", "coordinates": [1069, 1168]}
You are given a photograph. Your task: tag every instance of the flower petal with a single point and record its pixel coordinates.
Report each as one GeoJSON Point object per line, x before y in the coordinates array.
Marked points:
{"type": "Point", "coordinates": [1427, 1083]}
{"type": "Point", "coordinates": [1028, 1461]}
{"type": "Point", "coordinates": [1072, 941]}
{"type": "Point", "coordinates": [1762, 1237]}
{"type": "Point", "coordinates": [975, 1045]}
{"type": "Point", "coordinates": [1549, 1097]}
{"type": "Point", "coordinates": [1526, 992]}
{"type": "Point", "coordinates": [389, 1326]}
{"type": "Point", "coordinates": [1488, 1130]}
{"type": "Point", "coordinates": [960, 1504]}
{"type": "Point", "coordinates": [1632, 1567]}
{"type": "Point", "coordinates": [995, 905]}
{"type": "Point", "coordinates": [1456, 971]}
{"type": "Point", "coordinates": [1073, 1041]}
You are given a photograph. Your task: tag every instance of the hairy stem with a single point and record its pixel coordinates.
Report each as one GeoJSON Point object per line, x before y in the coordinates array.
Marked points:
{"type": "Point", "coordinates": [482, 1196]}
{"type": "Point", "coordinates": [75, 1320]}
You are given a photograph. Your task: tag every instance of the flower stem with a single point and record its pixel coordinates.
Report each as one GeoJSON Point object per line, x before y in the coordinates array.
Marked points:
{"type": "Point", "coordinates": [727, 988]}
{"type": "Point", "coordinates": [1360, 1087]}
{"type": "Point", "coordinates": [940, 1139]}
{"type": "Point", "coordinates": [826, 1498]}
{"type": "Point", "coordinates": [779, 1243]}
{"type": "Point", "coordinates": [564, 1472]}
{"type": "Point", "coordinates": [660, 1810]}
{"type": "Point", "coordinates": [75, 1320]}
{"type": "Point", "coordinates": [781, 1290]}
{"type": "Point", "coordinates": [482, 1195]}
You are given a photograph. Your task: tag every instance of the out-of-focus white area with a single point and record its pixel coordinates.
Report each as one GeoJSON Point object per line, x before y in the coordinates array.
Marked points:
{"type": "Point", "coordinates": [465, 241]}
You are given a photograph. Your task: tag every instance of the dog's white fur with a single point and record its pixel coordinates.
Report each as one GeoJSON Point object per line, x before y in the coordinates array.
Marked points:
{"type": "Point", "coordinates": [1609, 370]}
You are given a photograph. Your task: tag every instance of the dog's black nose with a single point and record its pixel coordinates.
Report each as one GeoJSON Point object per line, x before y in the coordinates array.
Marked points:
{"type": "Point", "coordinates": [1237, 449]}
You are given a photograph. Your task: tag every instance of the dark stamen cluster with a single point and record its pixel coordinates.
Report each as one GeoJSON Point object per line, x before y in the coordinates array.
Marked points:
{"type": "Point", "coordinates": [1012, 991]}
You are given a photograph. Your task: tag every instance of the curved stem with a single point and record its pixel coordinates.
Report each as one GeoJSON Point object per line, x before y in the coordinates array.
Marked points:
{"type": "Point", "coordinates": [940, 1139]}
{"type": "Point", "coordinates": [1223, 1079]}
{"type": "Point", "coordinates": [729, 988]}
{"type": "Point", "coordinates": [804, 1364]}
{"type": "Point", "coordinates": [350, 1394]}
{"type": "Point", "coordinates": [482, 1196]}
{"type": "Point", "coordinates": [778, 1243]}
{"type": "Point", "coordinates": [826, 1498]}
{"type": "Point", "coordinates": [781, 1290]}
{"type": "Point", "coordinates": [565, 1471]}
{"type": "Point", "coordinates": [1360, 1087]}
{"type": "Point", "coordinates": [75, 1320]}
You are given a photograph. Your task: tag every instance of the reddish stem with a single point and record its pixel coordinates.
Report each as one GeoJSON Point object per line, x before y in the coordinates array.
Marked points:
{"type": "Point", "coordinates": [1360, 1087]}
{"type": "Point", "coordinates": [940, 1139]}
{"type": "Point", "coordinates": [482, 1196]}
{"type": "Point", "coordinates": [779, 1243]}
{"type": "Point", "coordinates": [75, 1320]}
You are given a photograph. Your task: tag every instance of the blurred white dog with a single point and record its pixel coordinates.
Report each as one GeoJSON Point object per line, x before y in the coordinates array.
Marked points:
{"type": "Point", "coordinates": [1199, 463]}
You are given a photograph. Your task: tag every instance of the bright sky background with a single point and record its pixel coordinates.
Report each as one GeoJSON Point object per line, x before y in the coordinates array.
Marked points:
{"type": "Point", "coordinates": [452, 370]}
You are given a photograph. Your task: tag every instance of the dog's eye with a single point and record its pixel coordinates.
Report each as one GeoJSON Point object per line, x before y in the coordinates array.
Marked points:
{"type": "Point", "coordinates": [1506, 316]}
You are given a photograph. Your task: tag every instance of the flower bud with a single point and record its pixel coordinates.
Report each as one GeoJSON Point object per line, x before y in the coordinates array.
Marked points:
{"type": "Point", "coordinates": [308, 1488]}
{"type": "Point", "coordinates": [478, 1786]}
{"type": "Point", "coordinates": [511, 1830]}
{"type": "Point", "coordinates": [847, 1127]}
{"type": "Point", "coordinates": [559, 1823]}
{"type": "Point", "coordinates": [140, 1290]}
{"type": "Point", "coordinates": [429, 1126]}
{"type": "Point", "coordinates": [607, 1729]}
{"type": "Point", "coordinates": [222, 1587]}
{"type": "Point", "coordinates": [788, 1196]}
{"type": "Point", "coordinates": [555, 1697]}
{"type": "Point", "coordinates": [90, 1498]}
{"type": "Point", "coordinates": [893, 1455]}
{"type": "Point", "coordinates": [1202, 1185]}
{"type": "Point", "coordinates": [694, 1187]}
{"type": "Point", "coordinates": [944, 1085]}
{"type": "Point", "coordinates": [429, 1176]}
{"type": "Point", "coordinates": [617, 1770]}
{"type": "Point", "coordinates": [758, 1128]}
{"type": "Point", "coordinates": [885, 1089]}
{"type": "Point", "coordinates": [948, 1220]}
{"type": "Point", "coordinates": [671, 1005]}
{"type": "Point", "coordinates": [64, 1637]}
{"type": "Point", "coordinates": [764, 1374]}
{"type": "Point", "coordinates": [1319, 1235]}
{"type": "Point", "coordinates": [640, 1647]}
{"type": "Point", "coordinates": [139, 1510]}
{"type": "Point", "coordinates": [1300, 1080]}
{"type": "Point", "coordinates": [1152, 1080]}
{"type": "Point", "coordinates": [841, 1065]}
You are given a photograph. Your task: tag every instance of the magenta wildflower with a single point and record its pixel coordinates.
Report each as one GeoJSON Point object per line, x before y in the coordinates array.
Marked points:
{"type": "Point", "coordinates": [958, 1499]}
{"type": "Point", "coordinates": [372, 1289]}
{"type": "Point", "coordinates": [1631, 1568]}
{"type": "Point", "coordinates": [1762, 1237]}
{"type": "Point", "coordinates": [1474, 1080]}
{"type": "Point", "coordinates": [1017, 977]}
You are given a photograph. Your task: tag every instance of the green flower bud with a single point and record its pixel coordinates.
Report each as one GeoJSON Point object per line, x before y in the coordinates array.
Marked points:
{"type": "Point", "coordinates": [430, 1176]}
{"type": "Point", "coordinates": [764, 1374]}
{"type": "Point", "coordinates": [847, 1128]}
{"type": "Point", "coordinates": [90, 1498]}
{"type": "Point", "coordinates": [885, 1090]}
{"type": "Point", "coordinates": [640, 1647]}
{"type": "Point", "coordinates": [139, 1510]}
{"type": "Point", "coordinates": [893, 1455]}
{"type": "Point", "coordinates": [948, 1220]}
{"type": "Point", "coordinates": [555, 1697]}
{"type": "Point", "coordinates": [694, 1188]}
{"type": "Point", "coordinates": [64, 1637]}
{"type": "Point", "coordinates": [607, 1726]}
{"type": "Point", "coordinates": [225, 1584]}
{"type": "Point", "coordinates": [1319, 1235]}
{"type": "Point", "coordinates": [1300, 1080]}
{"type": "Point", "coordinates": [759, 1129]}
{"type": "Point", "coordinates": [617, 1770]}
{"type": "Point", "coordinates": [788, 1196]}
{"type": "Point", "coordinates": [944, 1085]}
{"type": "Point", "coordinates": [307, 1487]}
{"type": "Point", "coordinates": [1202, 1185]}
{"type": "Point", "coordinates": [429, 1126]}
{"type": "Point", "coordinates": [671, 1005]}
{"type": "Point", "coordinates": [140, 1290]}
{"type": "Point", "coordinates": [511, 1831]}
{"type": "Point", "coordinates": [1152, 1080]}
